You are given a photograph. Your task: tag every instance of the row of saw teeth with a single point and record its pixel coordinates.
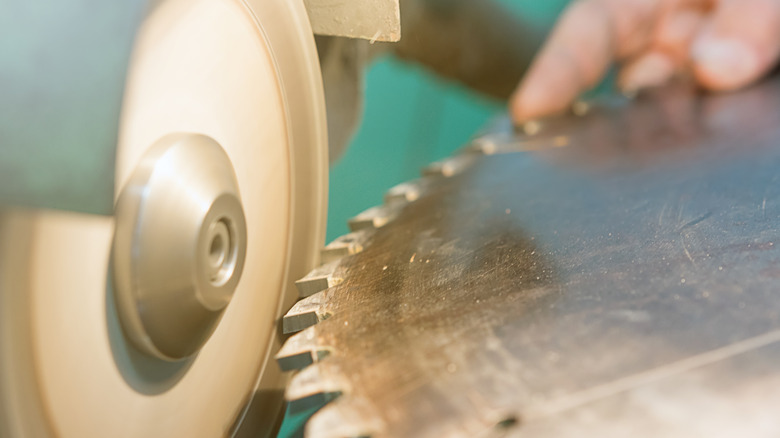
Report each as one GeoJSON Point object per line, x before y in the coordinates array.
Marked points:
{"type": "Point", "coordinates": [533, 134]}
{"type": "Point", "coordinates": [312, 288]}
{"type": "Point", "coordinates": [343, 416]}
{"type": "Point", "coordinates": [302, 351]}
{"type": "Point", "coordinates": [580, 108]}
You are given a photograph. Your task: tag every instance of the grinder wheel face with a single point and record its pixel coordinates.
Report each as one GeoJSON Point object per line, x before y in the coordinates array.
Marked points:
{"type": "Point", "coordinates": [246, 75]}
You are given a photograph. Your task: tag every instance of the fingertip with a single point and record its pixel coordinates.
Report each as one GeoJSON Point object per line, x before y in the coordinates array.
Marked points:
{"type": "Point", "coordinates": [739, 44]}
{"type": "Point", "coordinates": [574, 58]}
{"type": "Point", "coordinates": [649, 70]}
{"type": "Point", "coordinates": [535, 101]}
{"type": "Point", "coordinates": [550, 86]}
{"type": "Point", "coordinates": [524, 105]}
{"type": "Point", "coordinates": [725, 63]}
{"type": "Point", "coordinates": [516, 108]}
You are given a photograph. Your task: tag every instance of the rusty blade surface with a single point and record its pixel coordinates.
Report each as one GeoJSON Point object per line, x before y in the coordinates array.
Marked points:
{"type": "Point", "coordinates": [616, 273]}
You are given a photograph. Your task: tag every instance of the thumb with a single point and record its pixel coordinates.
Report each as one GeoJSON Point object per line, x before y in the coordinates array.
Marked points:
{"type": "Point", "coordinates": [739, 44]}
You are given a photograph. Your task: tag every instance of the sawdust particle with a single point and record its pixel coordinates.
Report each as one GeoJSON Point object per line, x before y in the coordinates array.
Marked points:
{"type": "Point", "coordinates": [411, 260]}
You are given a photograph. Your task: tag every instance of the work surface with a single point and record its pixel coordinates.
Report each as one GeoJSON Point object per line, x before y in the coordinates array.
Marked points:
{"type": "Point", "coordinates": [613, 274]}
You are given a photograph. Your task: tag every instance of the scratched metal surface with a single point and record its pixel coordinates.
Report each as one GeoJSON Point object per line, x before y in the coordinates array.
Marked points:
{"type": "Point", "coordinates": [619, 275]}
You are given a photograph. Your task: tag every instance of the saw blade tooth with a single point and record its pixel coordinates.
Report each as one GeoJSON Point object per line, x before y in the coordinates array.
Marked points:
{"type": "Point", "coordinates": [449, 167]}
{"type": "Point", "coordinates": [300, 351]}
{"type": "Point", "coordinates": [482, 145]}
{"type": "Point", "coordinates": [348, 244]}
{"type": "Point", "coordinates": [531, 127]}
{"type": "Point", "coordinates": [409, 191]}
{"type": "Point", "coordinates": [375, 217]}
{"type": "Point", "coordinates": [580, 108]}
{"type": "Point", "coordinates": [305, 313]}
{"type": "Point", "coordinates": [310, 388]}
{"type": "Point", "coordinates": [342, 418]}
{"type": "Point", "coordinates": [319, 279]}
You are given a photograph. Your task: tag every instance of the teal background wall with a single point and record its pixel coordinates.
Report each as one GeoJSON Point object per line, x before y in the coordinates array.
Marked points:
{"type": "Point", "coordinates": [411, 119]}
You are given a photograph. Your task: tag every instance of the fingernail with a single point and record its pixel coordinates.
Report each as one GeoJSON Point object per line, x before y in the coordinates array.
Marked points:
{"type": "Point", "coordinates": [726, 62]}
{"type": "Point", "coordinates": [650, 71]}
{"type": "Point", "coordinates": [524, 102]}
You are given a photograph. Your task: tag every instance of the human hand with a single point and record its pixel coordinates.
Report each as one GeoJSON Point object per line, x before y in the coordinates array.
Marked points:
{"type": "Point", "coordinates": [722, 44]}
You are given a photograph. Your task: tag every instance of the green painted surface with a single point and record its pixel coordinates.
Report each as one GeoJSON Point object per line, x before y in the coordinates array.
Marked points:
{"type": "Point", "coordinates": [294, 423]}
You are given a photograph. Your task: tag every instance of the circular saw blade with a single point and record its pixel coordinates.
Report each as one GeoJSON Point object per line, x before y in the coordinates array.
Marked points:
{"type": "Point", "coordinates": [246, 74]}
{"type": "Point", "coordinates": [612, 274]}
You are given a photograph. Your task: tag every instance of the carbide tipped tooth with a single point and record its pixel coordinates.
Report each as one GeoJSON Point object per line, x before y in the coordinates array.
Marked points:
{"type": "Point", "coordinates": [580, 108]}
{"type": "Point", "coordinates": [300, 351]}
{"type": "Point", "coordinates": [345, 245]}
{"type": "Point", "coordinates": [531, 127]}
{"type": "Point", "coordinates": [483, 145]}
{"type": "Point", "coordinates": [318, 280]}
{"type": "Point", "coordinates": [375, 217]}
{"type": "Point", "coordinates": [309, 388]}
{"type": "Point", "coordinates": [450, 166]}
{"type": "Point", "coordinates": [341, 419]}
{"type": "Point", "coordinates": [409, 191]}
{"type": "Point", "coordinates": [305, 313]}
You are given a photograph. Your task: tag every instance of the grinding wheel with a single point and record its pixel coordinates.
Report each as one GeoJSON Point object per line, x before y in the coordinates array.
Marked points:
{"type": "Point", "coordinates": [241, 78]}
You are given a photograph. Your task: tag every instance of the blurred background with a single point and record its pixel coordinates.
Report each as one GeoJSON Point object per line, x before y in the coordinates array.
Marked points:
{"type": "Point", "coordinates": [411, 118]}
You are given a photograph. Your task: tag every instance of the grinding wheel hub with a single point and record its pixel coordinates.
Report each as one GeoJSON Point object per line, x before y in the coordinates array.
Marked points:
{"type": "Point", "coordinates": [168, 335]}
